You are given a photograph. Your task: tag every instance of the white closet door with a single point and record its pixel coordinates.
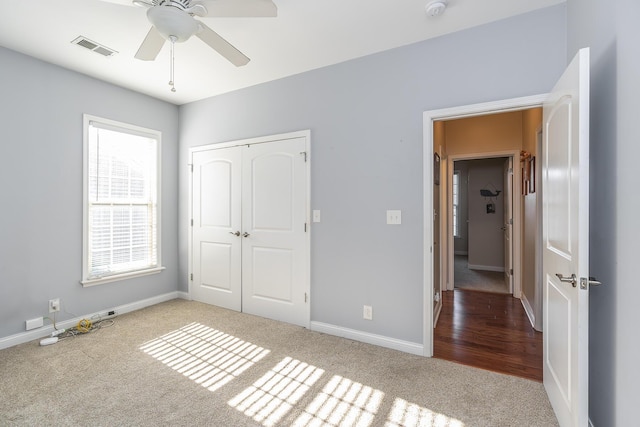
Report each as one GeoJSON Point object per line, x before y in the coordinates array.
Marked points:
{"type": "Point", "coordinates": [217, 216]}
{"type": "Point", "coordinates": [274, 246]}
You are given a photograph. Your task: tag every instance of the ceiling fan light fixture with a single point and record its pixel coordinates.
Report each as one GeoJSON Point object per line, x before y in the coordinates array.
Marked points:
{"type": "Point", "coordinates": [172, 22]}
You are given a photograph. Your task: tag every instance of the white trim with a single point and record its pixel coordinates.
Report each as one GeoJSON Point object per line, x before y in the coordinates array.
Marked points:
{"type": "Point", "coordinates": [528, 310]}
{"type": "Point", "coordinates": [44, 331]}
{"type": "Point", "coordinates": [88, 121]}
{"type": "Point", "coordinates": [306, 134]}
{"type": "Point", "coordinates": [486, 267]}
{"type": "Point", "coordinates": [513, 104]}
{"type": "Point", "coordinates": [379, 340]}
{"type": "Point", "coordinates": [250, 141]}
{"type": "Point", "coordinates": [122, 276]}
{"type": "Point", "coordinates": [514, 155]}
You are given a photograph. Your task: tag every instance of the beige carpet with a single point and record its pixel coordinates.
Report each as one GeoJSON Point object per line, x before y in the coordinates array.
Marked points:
{"type": "Point", "coordinates": [183, 363]}
{"type": "Point", "coordinates": [477, 280]}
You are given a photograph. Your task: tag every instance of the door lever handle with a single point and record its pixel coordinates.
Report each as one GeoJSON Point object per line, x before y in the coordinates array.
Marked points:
{"type": "Point", "coordinates": [568, 279]}
{"type": "Point", "coordinates": [245, 234]}
{"type": "Point", "coordinates": [237, 233]}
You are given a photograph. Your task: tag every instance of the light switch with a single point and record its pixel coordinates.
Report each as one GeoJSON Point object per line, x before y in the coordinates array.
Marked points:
{"type": "Point", "coordinates": [394, 217]}
{"type": "Point", "coordinates": [316, 215]}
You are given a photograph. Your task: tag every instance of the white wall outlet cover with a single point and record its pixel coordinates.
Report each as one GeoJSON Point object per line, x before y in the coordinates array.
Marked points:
{"type": "Point", "coordinates": [394, 217]}
{"type": "Point", "coordinates": [38, 322]}
{"type": "Point", "coordinates": [367, 312]}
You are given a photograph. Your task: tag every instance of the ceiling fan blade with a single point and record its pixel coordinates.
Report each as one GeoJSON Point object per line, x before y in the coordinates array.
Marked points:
{"type": "Point", "coordinates": [222, 46]}
{"type": "Point", "coordinates": [151, 45]}
{"type": "Point", "coordinates": [241, 8]}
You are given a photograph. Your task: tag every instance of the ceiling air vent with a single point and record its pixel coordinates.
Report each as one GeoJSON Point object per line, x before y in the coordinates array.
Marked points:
{"type": "Point", "coordinates": [96, 47]}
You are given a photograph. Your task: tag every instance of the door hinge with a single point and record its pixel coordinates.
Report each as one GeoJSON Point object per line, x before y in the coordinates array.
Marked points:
{"type": "Point", "coordinates": [192, 222]}
{"type": "Point", "coordinates": [305, 227]}
{"type": "Point", "coordinates": [304, 153]}
{"type": "Point", "coordinates": [191, 167]}
{"type": "Point", "coordinates": [510, 171]}
{"type": "Point", "coordinates": [511, 272]}
{"type": "Point", "coordinates": [305, 297]}
{"type": "Point", "coordinates": [191, 277]}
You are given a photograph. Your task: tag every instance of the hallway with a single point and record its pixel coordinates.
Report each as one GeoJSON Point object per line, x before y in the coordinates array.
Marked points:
{"type": "Point", "coordinates": [489, 331]}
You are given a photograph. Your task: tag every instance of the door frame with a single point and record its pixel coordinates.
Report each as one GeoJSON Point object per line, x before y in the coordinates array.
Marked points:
{"type": "Point", "coordinates": [306, 134]}
{"type": "Point", "coordinates": [516, 227]}
{"type": "Point", "coordinates": [428, 119]}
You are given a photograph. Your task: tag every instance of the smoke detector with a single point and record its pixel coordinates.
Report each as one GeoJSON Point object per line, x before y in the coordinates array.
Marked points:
{"type": "Point", "coordinates": [436, 8]}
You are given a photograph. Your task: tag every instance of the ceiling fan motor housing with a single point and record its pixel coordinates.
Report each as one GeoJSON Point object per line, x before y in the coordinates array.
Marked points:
{"type": "Point", "coordinates": [173, 23]}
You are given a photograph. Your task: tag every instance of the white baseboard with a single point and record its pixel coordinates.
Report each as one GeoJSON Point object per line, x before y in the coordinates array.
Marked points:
{"type": "Point", "coordinates": [485, 267]}
{"type": "Point", "coordinates": [45, 331]}
{"type": "Point", "coordinates": [382, 341]}
{"type": "Point", "coordinates": [529, 310]}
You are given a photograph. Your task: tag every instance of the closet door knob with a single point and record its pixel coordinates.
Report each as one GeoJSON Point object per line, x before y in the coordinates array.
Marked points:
{"type": "Point", "coordinates": [237, 233]}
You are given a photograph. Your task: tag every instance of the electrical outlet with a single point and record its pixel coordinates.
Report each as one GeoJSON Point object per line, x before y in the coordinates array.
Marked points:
{"type": "Point", "coordinates": [54, 305]}
{"type": "Point", "coordinates": [394, 217]}
{"type": "Point", "coordinates": [367, 312]}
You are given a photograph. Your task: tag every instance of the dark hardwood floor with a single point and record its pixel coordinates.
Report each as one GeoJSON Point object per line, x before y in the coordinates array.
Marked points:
{"type": "Point", "coordinates": [488, 331]}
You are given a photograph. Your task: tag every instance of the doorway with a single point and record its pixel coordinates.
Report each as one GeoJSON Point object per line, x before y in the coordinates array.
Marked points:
{"type": "Point", "coordinates": [497, 147]}
{"type": "Point", "coordinates": [481, 208]}
{"type": "Point", "coordinates": [485, 227]}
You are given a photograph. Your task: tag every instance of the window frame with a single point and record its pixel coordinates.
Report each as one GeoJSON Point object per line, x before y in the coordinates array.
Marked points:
{"type": "Point", "coordinates": [455, 207]}
{"type": "Point", "coordinates": [132, 130]}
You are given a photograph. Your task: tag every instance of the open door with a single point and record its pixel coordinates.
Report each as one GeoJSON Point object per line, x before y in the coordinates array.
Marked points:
{"type": "Point", "coordinates": [566, 243]}
{"type": "Point", "coordinates": [507, 228]}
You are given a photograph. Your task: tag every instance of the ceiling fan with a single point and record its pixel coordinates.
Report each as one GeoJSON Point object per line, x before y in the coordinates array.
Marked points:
{"type": "Point", "coordinates": [173, 21]}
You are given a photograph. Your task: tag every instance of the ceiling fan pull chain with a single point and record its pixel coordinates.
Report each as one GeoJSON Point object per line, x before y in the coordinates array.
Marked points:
{"type": "Point", "coordinates": [171, 81]}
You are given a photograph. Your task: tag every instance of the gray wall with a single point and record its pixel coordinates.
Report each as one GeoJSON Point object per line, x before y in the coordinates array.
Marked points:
{"type": "Point", "coordinates": [41, 111]}
{"type": "Point", "coordinates": [365, 116]}
{"type": "Point", "coordinates": [486, 237]}
{"type": "Point", "coordinates": [611, 30]}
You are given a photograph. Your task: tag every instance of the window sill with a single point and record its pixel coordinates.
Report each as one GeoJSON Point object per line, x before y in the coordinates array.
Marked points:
{"type": "Point", "coordinates": [123, 276]}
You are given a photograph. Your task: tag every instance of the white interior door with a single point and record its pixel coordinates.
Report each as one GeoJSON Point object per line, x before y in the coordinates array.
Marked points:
{"type": "Point", "coordinates": [274, 243]}
{"type": "Point", "coordinates": [566, 243]}
{"type": "Point", "coordinates": [216, 245]}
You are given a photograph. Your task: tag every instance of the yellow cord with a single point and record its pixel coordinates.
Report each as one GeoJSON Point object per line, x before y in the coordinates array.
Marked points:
{"type": "Point", "coordinates": [84, 326]}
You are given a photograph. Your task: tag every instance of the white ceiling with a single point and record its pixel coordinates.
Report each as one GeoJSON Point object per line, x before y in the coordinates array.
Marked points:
{"type": "Point", "coordinates": [307, 34]}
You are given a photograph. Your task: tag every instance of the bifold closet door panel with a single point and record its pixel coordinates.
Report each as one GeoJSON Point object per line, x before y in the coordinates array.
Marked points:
{"type": "Point", "coordinates": [216, 240]}
{"type": "Point", "coordinates": [274, 249]}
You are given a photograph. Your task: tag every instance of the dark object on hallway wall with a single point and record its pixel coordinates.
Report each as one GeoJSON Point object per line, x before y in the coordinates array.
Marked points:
{"type": "Point", "coordinates": [488, 193]}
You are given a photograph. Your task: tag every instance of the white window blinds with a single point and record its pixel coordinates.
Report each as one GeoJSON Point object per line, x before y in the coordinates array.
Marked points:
{"type": "Point", "coordinates": [121, 193]}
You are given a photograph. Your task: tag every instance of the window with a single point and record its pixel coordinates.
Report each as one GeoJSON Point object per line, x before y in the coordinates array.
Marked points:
{"type": "Point", "coordinates": [456, 203]}
{"type": "Point", "coordinates": [121, 201]}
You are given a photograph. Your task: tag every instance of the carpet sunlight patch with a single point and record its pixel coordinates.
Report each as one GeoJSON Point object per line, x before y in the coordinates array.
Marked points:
{"type": "Point", "coordinates": [405, 414]}
{"type": "Point", "coordinates": [273, 395]}
{"type": "Point", "coordinates": [342, 402]}
{"type": "Point", "coordinates": [207, 356]}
